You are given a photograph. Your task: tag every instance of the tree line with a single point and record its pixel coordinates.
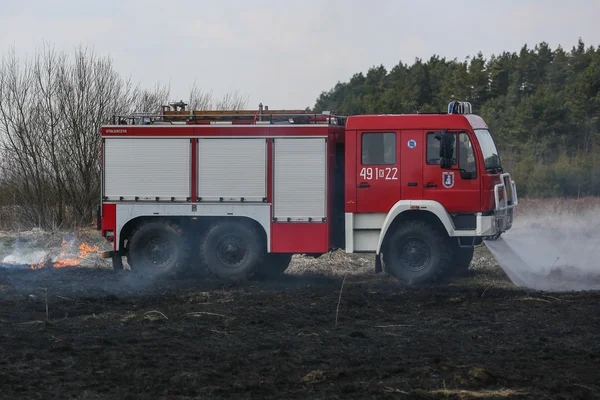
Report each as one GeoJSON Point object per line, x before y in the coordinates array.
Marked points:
{"type": "Point", "coordinates": [542, 106]}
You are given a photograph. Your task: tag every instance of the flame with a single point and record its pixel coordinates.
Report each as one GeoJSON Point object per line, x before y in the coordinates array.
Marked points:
{"type": "Point", "coordinates": [85, 250]}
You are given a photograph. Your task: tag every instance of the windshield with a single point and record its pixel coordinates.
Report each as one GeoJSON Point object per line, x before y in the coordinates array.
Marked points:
{"type": "Point", "coordinates": [488, 148]}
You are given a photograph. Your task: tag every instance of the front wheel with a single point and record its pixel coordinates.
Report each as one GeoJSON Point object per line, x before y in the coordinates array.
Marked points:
{"type": "Point", "coordinates": [417, 253]}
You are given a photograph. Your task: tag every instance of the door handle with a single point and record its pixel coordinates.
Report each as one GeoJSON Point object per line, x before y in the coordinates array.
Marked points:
{"type": "Point", "coordinates": [363, 185]}
{"type": "Point", "coordinates": [430, 185]}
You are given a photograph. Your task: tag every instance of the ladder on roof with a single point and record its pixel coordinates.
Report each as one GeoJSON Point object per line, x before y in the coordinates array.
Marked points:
{"type": "Point", "coordinates": [176, 113]}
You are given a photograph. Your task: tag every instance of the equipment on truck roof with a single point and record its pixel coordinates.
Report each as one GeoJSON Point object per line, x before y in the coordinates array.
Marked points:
{"type": "Point", "coordinates": [176, 113]}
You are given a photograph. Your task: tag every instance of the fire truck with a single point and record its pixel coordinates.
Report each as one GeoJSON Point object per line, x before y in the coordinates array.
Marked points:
{"type": "Point", "coordinates": [238, 193]}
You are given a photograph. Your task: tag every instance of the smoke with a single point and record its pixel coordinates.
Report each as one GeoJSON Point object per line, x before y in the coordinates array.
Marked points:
{"type": "Point", "coordinates": [33, 257]}
{"type": "Point", "coordinates": [553, 252]}
{"type": "Point", "coordinates": [21, 253]}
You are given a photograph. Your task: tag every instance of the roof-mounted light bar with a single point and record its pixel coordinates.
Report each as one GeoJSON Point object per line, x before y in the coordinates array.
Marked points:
{"type": "Point", "coordinates": [460, 107]}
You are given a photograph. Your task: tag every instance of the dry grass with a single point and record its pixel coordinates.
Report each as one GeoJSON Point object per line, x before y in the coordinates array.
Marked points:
{"type": "Point", "coordinates": [336, 264]}
{"type": "Point", "coordinates": [557, 206]}
{"type": "Point", "coordinates": [471, 394]}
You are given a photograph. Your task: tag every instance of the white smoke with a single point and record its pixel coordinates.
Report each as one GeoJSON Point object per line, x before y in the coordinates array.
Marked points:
{"type": "Point", "coordinates": [27, 257]}
{"type": "Point", "coordinates": [32, 247]}
{"type": "Point", "coordinates": [554, 252]}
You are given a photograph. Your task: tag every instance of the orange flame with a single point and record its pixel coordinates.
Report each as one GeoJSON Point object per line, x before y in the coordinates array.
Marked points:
{"type": "Point", "coordinates": [85, 250]}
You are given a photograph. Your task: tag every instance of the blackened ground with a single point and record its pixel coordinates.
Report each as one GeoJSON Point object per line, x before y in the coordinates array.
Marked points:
{"type": "Point", "coordinates": [118, 336]}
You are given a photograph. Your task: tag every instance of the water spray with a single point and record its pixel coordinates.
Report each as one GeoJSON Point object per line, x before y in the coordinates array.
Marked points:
{"type": "Point", "coordinates": [554, 253]}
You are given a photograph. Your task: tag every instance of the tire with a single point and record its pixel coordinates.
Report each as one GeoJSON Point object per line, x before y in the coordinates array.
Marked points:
{"type": "Point", "coordinates": [232, 249]}
{"type": "Point", "coordinates": [416, 253]}
{"type": "Point", "coordinates": [146, 255]}
{"type": "Point", "coordinates": [273, 265]}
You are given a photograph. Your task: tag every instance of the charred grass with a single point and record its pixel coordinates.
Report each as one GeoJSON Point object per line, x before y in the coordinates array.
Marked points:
{"type": "Point", "coordinates": [89, 333]}
{"type": "Point", "coordinates": [108, 336]}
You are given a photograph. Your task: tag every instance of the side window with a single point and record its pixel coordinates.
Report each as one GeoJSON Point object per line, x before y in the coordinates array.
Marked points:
{"type": "Point", "coordinates": [433, 149]}
{"type": "Point", "coordinates": [466, 157]}
{"type": "Point", "coordinates": [378, 148]}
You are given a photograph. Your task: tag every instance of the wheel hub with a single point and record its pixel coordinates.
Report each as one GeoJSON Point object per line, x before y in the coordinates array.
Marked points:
{"type": "Point", "coordinates": [231, 251]}
{"type": "Point", "coordinates": [158, 252]}
{"type": "Point", "coordinates": [415, 254]}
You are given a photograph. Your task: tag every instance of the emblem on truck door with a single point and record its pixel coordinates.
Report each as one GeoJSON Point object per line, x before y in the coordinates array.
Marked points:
{"type": "Point", "coordinates": [448, 179]}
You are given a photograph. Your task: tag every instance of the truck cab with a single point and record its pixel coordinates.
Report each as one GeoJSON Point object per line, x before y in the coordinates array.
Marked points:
{"type": "Point", "coordinates": [440, 174]}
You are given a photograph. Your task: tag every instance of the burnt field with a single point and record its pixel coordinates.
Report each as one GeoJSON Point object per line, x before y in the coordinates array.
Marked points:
{"type": "Point", "coordinates": [89, 333]}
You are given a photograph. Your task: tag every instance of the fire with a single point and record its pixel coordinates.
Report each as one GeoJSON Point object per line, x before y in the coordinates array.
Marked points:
{"type": "Point", "coordinates": [85, 250]}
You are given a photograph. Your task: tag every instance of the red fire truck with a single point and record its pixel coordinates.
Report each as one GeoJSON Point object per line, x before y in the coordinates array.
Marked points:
{"type": "Point", "coordinates": [237, 193]}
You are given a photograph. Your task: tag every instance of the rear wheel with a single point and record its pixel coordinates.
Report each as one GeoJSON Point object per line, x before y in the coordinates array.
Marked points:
{"type": "Point", "coordinates": [417, 253]}
{"type": "Point", "coordinates": [231, 249]}
{"type": "Point", "coordinates": [158, 248]}
{"type": "Point", "coordinates": [273, 265]}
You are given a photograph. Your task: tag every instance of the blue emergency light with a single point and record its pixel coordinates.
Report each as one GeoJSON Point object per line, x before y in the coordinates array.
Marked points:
{"type": "Point", "coordinates": [460, 107]}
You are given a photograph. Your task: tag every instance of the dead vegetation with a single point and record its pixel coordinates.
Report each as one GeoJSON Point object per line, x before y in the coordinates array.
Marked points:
{"type": "Point", "coordinates": [329, 328]}
{"type": "Point", "coordinates": [573, 206]}
{"type": "Point", "coordinates": [116, 336]}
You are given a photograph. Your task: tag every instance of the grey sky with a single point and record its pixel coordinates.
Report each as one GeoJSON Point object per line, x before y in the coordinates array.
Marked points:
{"type": "Point", "coordinates": [285, 53]}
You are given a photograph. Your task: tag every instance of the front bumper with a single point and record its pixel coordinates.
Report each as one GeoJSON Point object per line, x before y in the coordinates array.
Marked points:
{"type": "Point", "coordinates": [505, 199]}
{"type": "Point", "coordinates": [492, 225]}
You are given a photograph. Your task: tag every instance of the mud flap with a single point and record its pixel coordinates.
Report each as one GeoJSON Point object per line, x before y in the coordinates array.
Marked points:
{"type": "Point", "coordinates": [378, 267]}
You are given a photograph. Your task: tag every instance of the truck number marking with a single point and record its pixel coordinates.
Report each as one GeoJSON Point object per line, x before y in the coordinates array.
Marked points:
{"type": "Point", "coordinates": [388, 173]}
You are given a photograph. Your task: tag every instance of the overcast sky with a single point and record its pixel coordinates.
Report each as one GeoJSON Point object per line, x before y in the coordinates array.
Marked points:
{"type": "Point", "coordinates": [284, 53]}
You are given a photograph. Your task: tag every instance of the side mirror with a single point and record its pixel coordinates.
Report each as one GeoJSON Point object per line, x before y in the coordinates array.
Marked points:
{"type": "Point", "coordinates": [447, 141]}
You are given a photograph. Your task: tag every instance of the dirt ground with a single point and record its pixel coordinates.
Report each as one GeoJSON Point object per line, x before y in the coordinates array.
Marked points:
{"type": "Point", "coordinates": [89, 333]}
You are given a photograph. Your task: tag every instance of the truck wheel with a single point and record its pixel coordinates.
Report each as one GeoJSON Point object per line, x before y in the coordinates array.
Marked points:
{"type": "Point", "coordinates": [273, 265]}
{"type": "Point", "coordinates": [417, 253]}
{"type": "Point", "coordinates": [159, 248]}
{"type": "Point", "coordinates": [231, 249]}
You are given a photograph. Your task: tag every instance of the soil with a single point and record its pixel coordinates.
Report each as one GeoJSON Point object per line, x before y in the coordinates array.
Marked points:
{"type": "Point", "coordinates": [90, 333]}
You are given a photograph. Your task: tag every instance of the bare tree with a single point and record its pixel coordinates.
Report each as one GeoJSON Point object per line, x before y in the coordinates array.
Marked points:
{"type": "Point", "coordinates": [200, 100]}
{"type": "Point", "coordinates": [232, 101]}
{"type": "Point", "coordinates": [51, 111]}
{"type": "Point", "coordinates": [149, 100]}
{"type": "Point", "coordinates": [25, 167]}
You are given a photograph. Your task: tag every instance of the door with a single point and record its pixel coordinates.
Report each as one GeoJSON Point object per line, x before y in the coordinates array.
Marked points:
{"type": "Point", "coordinates": [411, 164]}
{"type": "Point", "coordinates": [378, 171]}
{"type": "Point", "coordinates": [458, 191]}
